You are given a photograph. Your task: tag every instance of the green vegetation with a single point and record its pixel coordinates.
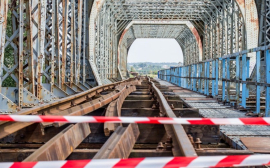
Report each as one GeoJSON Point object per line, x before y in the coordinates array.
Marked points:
{"type": "Point", "coordinates": [149, 68]}
{"type": "Point", "coordinates": [9, 59]}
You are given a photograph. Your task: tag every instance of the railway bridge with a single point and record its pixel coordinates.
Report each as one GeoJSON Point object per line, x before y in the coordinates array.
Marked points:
{"type": "Point", "coordinates": [69, 58]}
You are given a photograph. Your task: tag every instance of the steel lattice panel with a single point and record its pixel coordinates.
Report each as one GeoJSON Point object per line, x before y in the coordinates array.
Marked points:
{"type": "Point", "coordinates": [232, 134]}
{"type": "Point", "coordinates": [206, 105]}
{"type": "Point", "coordinates": [190, 95]}
{"type": "Point", "coordinates": [156, 9]}
{"type": "Point", "coordinates": [221, 113]}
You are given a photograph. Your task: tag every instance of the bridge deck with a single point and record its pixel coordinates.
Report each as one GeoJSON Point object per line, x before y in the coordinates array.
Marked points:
{"type": "Point", "coordinates": [210, 108]}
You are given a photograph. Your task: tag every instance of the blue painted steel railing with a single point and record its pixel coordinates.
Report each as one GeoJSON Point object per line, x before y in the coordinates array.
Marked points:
{"type": "Point", "coordinates": [197, 77]}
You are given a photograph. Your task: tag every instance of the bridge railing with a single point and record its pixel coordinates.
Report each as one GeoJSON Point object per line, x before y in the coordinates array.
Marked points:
{"type": "Point", "coordinates": [228, 78]}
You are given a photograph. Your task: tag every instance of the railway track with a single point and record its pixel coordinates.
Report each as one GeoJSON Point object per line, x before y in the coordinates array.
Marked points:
{"type": "Point", "coordinates": [134, 97]}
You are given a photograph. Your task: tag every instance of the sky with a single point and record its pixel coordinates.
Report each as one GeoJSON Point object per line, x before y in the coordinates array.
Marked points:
{"type": "Point", "coordinates": [155, 50]}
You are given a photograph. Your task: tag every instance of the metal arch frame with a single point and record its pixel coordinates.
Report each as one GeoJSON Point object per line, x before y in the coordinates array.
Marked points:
{"type": "Point", "coordinates": [206, 11]}
{"type": "Point", "coordinates": [98, 4]}
{"type": "Point", "coordinates": [161, 22]}
{"type": "Point", "coordinates": [153, 22]}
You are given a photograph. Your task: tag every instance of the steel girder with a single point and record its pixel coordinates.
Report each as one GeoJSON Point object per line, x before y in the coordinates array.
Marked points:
{"type": "Point", "coordinates": [43, 54]}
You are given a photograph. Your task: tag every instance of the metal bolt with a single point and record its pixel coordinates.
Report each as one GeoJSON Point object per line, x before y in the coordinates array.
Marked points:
{"type": "Point", "coordinates": [198, 143]}
{"type": "Point", "coordinates": [160, 146]}
{"type": "Point", "coordinates": [191, 140]}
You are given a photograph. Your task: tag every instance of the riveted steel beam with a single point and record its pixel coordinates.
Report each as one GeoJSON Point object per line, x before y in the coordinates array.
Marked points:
{"type": "Point", "coordinates": [61, 145]}
{"type": "Point", "coordinates": [120, 144]}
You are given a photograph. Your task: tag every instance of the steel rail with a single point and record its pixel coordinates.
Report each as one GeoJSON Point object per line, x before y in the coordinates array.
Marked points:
{"type": "Point", "coordinates": [183, 141]}
{"type": "Point", "coordinates": [120, 143]}
{"type": "Point", "coordinates": [114, 109]}
{"type": "Point", "coordinates": [7, 128]}
{"type": "Point", "coordinates": [88, 107]}
{"type": "Point", "coordinates": [61, 145]}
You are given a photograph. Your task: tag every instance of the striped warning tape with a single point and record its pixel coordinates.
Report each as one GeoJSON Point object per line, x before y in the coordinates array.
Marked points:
{"type": "Point", "coordinates": [162, 162]}
{"type": "Point", "coordinates": [144, 120]}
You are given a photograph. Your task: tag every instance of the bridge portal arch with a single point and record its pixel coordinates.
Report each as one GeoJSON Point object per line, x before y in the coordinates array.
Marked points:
{"type": "Point", "coordinates": [219, 27]}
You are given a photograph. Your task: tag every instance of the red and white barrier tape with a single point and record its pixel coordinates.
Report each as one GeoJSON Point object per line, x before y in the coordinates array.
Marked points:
{"type": "Point", "coordinates": [162, 162]}
{"type": "Point", "coordinates": [142, 120]}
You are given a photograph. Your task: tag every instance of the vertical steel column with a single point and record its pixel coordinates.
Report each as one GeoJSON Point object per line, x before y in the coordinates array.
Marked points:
{"type": "Point", "coordinates": [228, 84]}
{"type": "Point", "coordinates": [244, 78]}
{"type": "Point", "coordinates": [55, 42]}
{"type": "Point", "coordinates": [237, 62]}
{"type": "Point", "coordinates": [267, 101]}
{"type": "Point", "coordinates": [29, 50]}
{"type": "Point", "coordinates": [213, 77]}
{"type": "Point", "coordinates": [217, 76]}
{"type": "Point", "coordinates": [175, 76]}
{"type": "Point", "coordinates": [171, 75]}
{"type": "Point", "coordinates": [180, 76]}
{"type": "Point", "coordinates": [207, 76]}
{"type": "Point", "coordinates": [72, 43]}
{"type": "Point", "coordinates": [190, 76]}
{"type": "Point", "coordinates": [195, 78]}
{"type": "Point", "coordinates": [3, 25]}
{"type": "Point", "coordinates": [205, 80]}
{"type": "Point", "coordinates": [258, 79]}
{"type": "Point", "coordinates": [21, 52]}
{"type": "Point", "coordinates": [167, 75]}
{"type": "Point", "coordinates": [42, 9]}
{"type": "Point", "coordinates": [64, 42]}
{"type": "Point", "coordinates": [185, 77]}
{"type": "Point", "coordinates": [223, 79]}
{"type": "Point", "coordinates": [199, 76]}
{"type": "Point", "coordinates": [79, 34]}
{"type": "Point", "coordinates": [102, 44]}
{"type": "Point", "coordinates": [58, 44]}
{"type": "Point", "coordinates": [248, 63]}
{"type": "Point", "coordinates": [189, 67]}
{"type": "Point", "coordinates": [169, 72]}
{"type": "Point", "coordinates": [84, 40]}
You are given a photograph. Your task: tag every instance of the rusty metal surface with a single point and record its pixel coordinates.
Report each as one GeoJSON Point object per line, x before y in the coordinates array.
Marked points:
{"type": "Point", "coordinates": [229, 151]}
{"type": "Point", "coordinates": [62, 145]}
{"type": "Point", "coordinates": [88, 107]}
{"type": "Point", "coordinates": [120, 144]}
{"type": "Point", "coordinates": [58, 105]}
{"type": "Point", "coordinates": [178, 131]}
{"type": "Point", "coordinates": [111, 111]}
{"type": "Point", "coordinates": [114, 109]}
{"type": "Point", "coordinates": [10, 155]}
{"type": "Point", "coordinates": [257, 144]}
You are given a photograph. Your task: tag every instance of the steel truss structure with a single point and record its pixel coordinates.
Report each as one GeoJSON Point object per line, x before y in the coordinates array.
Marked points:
{"type": "Point", "coordinates": [51, 49]}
